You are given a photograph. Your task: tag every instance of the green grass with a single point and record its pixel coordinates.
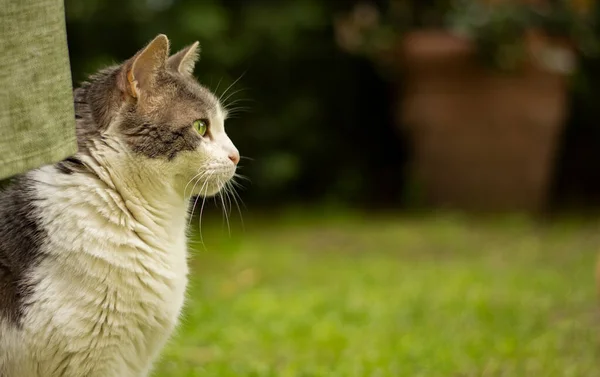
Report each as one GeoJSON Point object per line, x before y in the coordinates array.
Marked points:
{"type": "Point", "coordinates": [391, 297]}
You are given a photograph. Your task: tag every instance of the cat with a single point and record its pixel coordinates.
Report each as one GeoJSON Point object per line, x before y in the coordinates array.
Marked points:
{"type": "Point", "coordinates": [93, 259]}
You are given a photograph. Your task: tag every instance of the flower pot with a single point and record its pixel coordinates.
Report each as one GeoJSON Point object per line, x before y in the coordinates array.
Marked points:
{"type": "Point", "coordinates": [482, 140]}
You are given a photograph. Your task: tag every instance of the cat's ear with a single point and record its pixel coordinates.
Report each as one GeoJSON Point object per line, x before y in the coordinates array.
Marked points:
{"type": "Point", "coordinates": [141, 70]}
{"type": "Point", "coordinates": [185, 60]}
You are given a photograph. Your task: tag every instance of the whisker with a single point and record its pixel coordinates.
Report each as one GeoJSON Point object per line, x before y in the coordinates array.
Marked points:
{"type": "Point", "coordinates": [224, 198]}
{"type": "Point", "coordinates": [197, 197]}
{"type": "Point", "coordinates": [231, 95]}
{"type": "Point", "coordinates": [235, 197]}
{"type": "Point", "coordinates": [190, 181]}
{"type": "Point", "coordinates": [219, 83]}
{"type": "Point", "coordinates": [242, 177]}
{"type": "Point", "coordinates": [238, 185]}
{"type": "Point", "coordinates": [238, 101]}
{"type": "Point", "coordinates": [227, 194]}
{"type": "Point", "coordinates": [226, 217]}
{"type": "Point", "coordinates": [232, 84]}
{"type": "Point", "coordinates": [238, 110]}
{"type": "Point", "coordinates": [205, 188]}
{"type": "Point", "coordinates": [201, 175]}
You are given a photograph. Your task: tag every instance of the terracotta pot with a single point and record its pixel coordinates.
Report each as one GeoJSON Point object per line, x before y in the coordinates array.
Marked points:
{"type": "Point", "coordinates": [482, 140]}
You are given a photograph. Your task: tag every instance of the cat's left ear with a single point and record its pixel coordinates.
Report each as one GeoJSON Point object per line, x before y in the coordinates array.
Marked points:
{"type": "Point", "coordinates": [140, 71]}
{"type": "Point", "coordinates": [185, 60]}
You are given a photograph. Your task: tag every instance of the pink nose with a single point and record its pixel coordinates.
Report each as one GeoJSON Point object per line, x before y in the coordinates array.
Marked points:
{"type": "Point", "coordinates": [234, 157]}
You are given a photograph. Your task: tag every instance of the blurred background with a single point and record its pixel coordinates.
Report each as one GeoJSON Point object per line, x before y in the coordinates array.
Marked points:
{"type": "Point", "coordinates": [479, 105]}
{"type": "Point", "coordinates": [382, 123]}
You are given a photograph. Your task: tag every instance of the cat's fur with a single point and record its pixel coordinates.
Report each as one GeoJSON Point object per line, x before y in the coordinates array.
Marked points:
{"type": "Point", "coordinates": [93, 266]}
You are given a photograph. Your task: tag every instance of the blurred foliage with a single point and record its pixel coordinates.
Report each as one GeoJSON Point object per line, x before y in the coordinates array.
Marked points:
{"type": "Point", "coordinates": [299, 100]}
{"type": "Point", "coordinates": [315, 122]}
{"type": "Point", "coordinates": [501, 30]}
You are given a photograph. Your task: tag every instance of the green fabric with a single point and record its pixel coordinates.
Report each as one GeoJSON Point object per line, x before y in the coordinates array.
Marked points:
{"type": "Point", "coordinates": [37, 122]}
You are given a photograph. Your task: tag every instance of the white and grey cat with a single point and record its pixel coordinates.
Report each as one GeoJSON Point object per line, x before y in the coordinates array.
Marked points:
{"type": "Point", "coordinates": [93, 261]}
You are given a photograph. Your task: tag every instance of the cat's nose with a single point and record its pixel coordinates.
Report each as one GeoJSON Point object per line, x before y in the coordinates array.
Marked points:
{"type": "Point", "coordinates": [234, 157]}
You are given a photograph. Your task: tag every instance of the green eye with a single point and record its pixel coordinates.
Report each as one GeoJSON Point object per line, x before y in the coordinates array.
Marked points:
{"type": "Point", "coordinates": [201, 125]}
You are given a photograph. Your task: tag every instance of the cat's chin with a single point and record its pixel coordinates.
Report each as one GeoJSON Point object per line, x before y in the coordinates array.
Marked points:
{"type": "Point", "coordinates": [209, 190]}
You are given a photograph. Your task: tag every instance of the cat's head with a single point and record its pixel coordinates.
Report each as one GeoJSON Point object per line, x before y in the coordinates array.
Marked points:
{"type": "Point", "coordinates": [168, 124]}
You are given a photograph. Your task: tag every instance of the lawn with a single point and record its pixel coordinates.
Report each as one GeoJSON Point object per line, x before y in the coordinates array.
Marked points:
{"type": "Point", "coordinates": [358, 296]}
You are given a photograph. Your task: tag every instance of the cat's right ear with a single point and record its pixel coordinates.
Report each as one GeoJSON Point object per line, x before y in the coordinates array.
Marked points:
{"type": "Point", "coordinates": [139, 73]}
{"type": "Point", "coordinates": [185, 60]}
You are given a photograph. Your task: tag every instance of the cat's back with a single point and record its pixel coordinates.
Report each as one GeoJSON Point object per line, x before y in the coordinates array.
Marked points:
{"type": "Point", "coordinates": [20, 250]}
{"type": "Point", "coordinates": [20, 246]}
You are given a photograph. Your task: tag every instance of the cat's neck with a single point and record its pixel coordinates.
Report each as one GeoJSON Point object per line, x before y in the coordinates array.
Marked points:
{"type": "Point", "coordinates": [149, 201]}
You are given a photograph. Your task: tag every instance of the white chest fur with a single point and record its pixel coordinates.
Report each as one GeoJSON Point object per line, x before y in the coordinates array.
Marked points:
{"type": "Point", "coordinates": [109, 293]}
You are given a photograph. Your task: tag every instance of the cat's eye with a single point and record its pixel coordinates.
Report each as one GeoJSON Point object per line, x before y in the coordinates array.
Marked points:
{"type": "Point", "coordinates": [201, 125]}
